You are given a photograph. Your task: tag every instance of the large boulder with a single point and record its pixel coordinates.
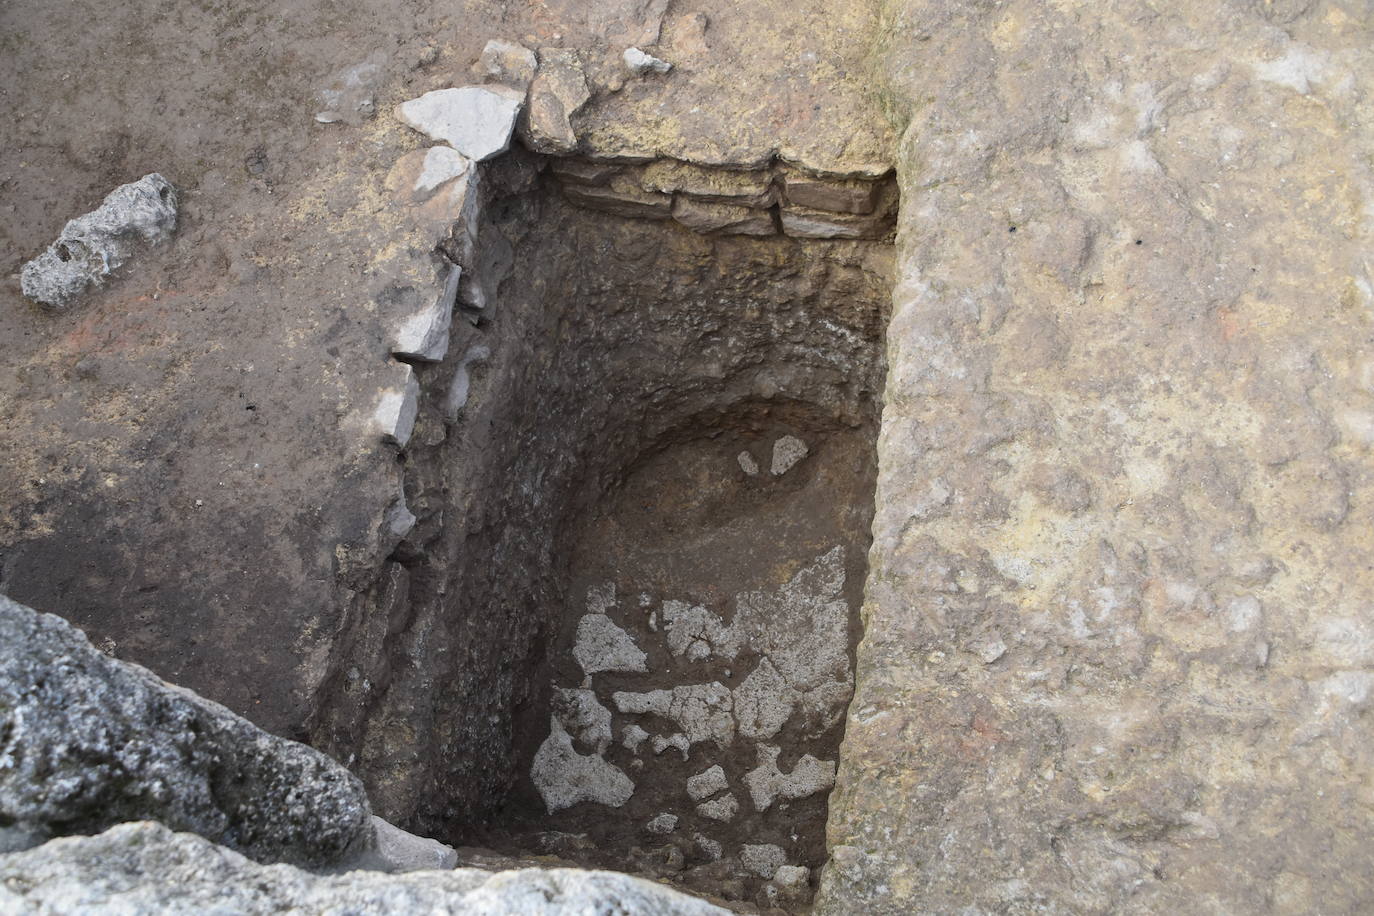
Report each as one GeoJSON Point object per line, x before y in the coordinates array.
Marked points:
{"type": "Point", "coordinates": [145, 868]}
{"type": "Point", "coordinates": [87, 742]}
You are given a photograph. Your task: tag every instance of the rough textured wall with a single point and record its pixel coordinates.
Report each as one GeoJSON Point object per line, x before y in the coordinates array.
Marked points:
{"type": "Point", "coordinates": [1120, 621]}
{"type": "Point", "coordinates": [609, 338]}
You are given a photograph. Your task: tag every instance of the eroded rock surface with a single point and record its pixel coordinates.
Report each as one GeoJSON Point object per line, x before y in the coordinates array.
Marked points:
{"type": "Point", "coordinates": [1118, 624]}
{"type": "Point", "coordinates": [87, 742]}
{"type": "Point", "coordinates": [140, 213]}
{"type": "Point", "coordinates": [144, 868]}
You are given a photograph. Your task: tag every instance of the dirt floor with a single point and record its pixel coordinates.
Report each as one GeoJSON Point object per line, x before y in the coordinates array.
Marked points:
{"type": "Point", "coordinates": [706, 522]}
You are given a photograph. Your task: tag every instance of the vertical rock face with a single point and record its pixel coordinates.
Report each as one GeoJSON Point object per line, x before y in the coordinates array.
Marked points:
{"type": "Point", "coordinates": [1120, 622]}
{"type": "Point", "coordinates": [87, 742]}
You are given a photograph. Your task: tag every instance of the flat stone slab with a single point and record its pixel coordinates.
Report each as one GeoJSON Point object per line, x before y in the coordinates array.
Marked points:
{"type": "Point", "coordinates": [477, 121]}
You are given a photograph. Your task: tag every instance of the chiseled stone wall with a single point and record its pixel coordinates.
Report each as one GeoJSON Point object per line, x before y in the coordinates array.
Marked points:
{"type": "Point", "coordinates": [1120, 621]}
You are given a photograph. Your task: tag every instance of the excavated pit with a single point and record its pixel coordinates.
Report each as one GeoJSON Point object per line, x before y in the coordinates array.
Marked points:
{"type": "Point", "coordinates": [622, 630]}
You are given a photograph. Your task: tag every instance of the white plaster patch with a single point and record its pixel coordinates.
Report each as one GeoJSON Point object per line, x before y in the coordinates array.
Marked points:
{"type": "Point", "coordinates": [787, 452]}
{"type": "Point", "coordinates": [719, 809]}
{"type": "Point", "coordinates": [603, 646]}
{"type": "Point", "coordinates": [632, 737]}
{"type": "Point", "coordinates": [767, 783]}
{"type": "Point", "coordinates": [702, 711]}
{"type": "Point", "coordinates": [583, 716]}
{"type": "Point", "coordinates": [707, 783]}
{"type": "Point", "coordinates": [565, 778]}
{"type": "Point", "coordinates": [678, 741]}
{"type": "Point", "coordinates": [762, 859]}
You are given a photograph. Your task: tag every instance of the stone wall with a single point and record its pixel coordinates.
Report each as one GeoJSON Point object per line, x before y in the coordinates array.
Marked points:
{"type": "Point", "coordinates": [1120, 616]}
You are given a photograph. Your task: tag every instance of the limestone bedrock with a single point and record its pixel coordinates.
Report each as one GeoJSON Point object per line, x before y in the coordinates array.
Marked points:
{"type": "Point", "coordinates": [1119, 622]}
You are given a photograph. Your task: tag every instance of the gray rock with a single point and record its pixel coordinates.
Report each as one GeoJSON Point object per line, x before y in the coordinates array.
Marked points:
{"type": "Point", "coordinates": [557, 93]}
{"type": "Point", "coordinates": [397, 409]}
{"type": "Point", "coordinates": [93, 245]}
{"type": "Point", "coordinates": [762, 859]}
{"type": "Point", "coordinates": [787, 451]}
{"type": "Point", "coordinates": [477, 121]}
{"type": "Point", "coordinates": [727, 219]}
{"type": "Point", "coordinates": [399, 851]}
{"type": "Point", "coordinates": [146, 868]}
{"type": "Point", "coordinates": [424, 336]}
{"type": "Point", "coordinates": [507, 62]}
{"type": "Point", "coordinates": [87, 741]}
{"type": "Point", "coordinates": [640, 63]}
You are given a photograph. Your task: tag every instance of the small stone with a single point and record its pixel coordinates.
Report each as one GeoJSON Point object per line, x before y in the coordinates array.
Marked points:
{"type": "Point", "coordinates": [709, 847]}
{"type": "Point", "coordinates": [91, 246]}
{"type": "Point", "coordinates": [719, 809]}
{"type": "Point", "coordinates": [557, 93]}
{"type": "Point", "coordinates": [397, 409]}
{"type": "Point", "coordinates": [763, 859]}
{"type": "Point", "coordinates": [477, 121]}
{"type": "Point", "coordinates": [507, 62]}
{"type": "Point", "coordinates": [400, 851]}
{"type": "Point", "coordinates": [397, 523]}
{"type": "Point", "coordinates": [440, 165]}
{"type": "Point", "coordinates": [663, 824]}
{"type": "Point", "coordinates": [639, 63]}
{"type": "Point", "coordinates": [603, 646]}
{"type": "Point", "coordinates": [583, 717]}
{"type": "Point", "coordinates": [792, 876]}
{"type": "Point", "coordinates": [707, 783]}
{"type": "Point", "coordinates": [747, 464]}
{"type": "Point", "coordinates": [787, 451]}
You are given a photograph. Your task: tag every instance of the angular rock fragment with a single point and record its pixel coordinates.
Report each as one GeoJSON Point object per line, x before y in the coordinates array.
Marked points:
{"type": "Point", "coordinates": [424, 336]}
{"type": "Point", "coordinates": [639, 63]}
{"type": "Point", "coordinates": [507, 62]}
{"type": "Point", "coordinates": [556, 95]}
{"type": "Point", "coordinates": [747, 464]}
{"type": "Point", "coordinates": [477, 121]}
{"type": "Point", "coordinates": [90, 247]}
{"type": "Point", "coordinates": [584, 171]}
{"type": "Point", "coordinates": [632, 737]}
{"type": "Point", "coordinates": [399, 851]}
{"type": "Point", "coordinates": [787, 452]}
{"type": "Point", "coordinates": [87, 741]}
{"type": "Point", "coordinates": [461, 383]}
{"type": "Point", "coordinates": [350, 94]}
{"type": "Point", "coordinates": [397, 409]}
{"type": "Point", "coordinates": [678, 741]}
